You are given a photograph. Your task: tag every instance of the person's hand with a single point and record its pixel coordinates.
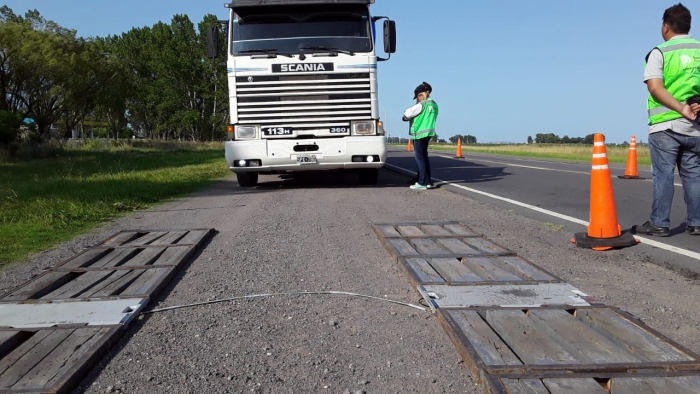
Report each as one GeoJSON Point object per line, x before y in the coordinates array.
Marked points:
{"type": "Point", "coordinates": [695, 108]}
{"type": "Point", "coordinates": [688, 111]}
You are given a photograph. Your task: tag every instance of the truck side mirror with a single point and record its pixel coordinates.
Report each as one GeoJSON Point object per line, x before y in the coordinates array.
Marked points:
{"type": "Point", "coordinates": [213, 42]}
{"type": "Point", "coordinates": [389, 36]}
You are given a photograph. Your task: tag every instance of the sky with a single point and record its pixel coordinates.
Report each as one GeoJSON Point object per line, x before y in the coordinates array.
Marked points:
{"type": "Point", "coordinates": [500, 70]}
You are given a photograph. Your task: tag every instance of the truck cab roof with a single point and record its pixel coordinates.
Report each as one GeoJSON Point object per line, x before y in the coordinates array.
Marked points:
{"type": "Point", "coordinates": [258, 3]}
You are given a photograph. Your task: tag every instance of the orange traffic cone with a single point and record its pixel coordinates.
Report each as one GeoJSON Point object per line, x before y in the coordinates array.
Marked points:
{"type": "Point", "coordinates": [604, 232]}
{"type": "Point", "coordinates": [459, 149]}
{"type": "Point", "coordinates": [409, 148]}
{"type": "Point", "coordinates": [631, 169]}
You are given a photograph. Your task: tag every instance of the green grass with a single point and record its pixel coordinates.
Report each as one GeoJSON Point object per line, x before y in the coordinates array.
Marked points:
{"type": "Point", "coordinates": [575, 153]}
{"type": "Point", "coordinates": [46, 201]}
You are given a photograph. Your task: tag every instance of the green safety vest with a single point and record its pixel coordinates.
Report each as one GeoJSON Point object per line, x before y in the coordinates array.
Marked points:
{"type": "Point", "coordinates": [681, 76]}
{"type": "Point", "coordinates": [423, 125]}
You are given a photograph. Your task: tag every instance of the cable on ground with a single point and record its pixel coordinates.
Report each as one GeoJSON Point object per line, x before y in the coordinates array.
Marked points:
{"type": "Point", "coordinates": [283, 294]}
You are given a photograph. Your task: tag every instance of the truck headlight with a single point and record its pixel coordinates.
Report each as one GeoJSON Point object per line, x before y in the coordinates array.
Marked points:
{"type": "Point", "coordinates": [246, 132]}
{"type": "Point", "coordinates": [364, 127]}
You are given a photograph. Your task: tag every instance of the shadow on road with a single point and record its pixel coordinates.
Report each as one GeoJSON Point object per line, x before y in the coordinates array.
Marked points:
{"type": "Point", "coordinates": [322, 180]}
{"type": "Point", "coordinates": [455, 171]}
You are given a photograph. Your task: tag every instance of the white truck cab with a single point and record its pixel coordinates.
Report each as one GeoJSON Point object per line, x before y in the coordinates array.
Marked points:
{"type": "Point", "coordinates": [302, 78]}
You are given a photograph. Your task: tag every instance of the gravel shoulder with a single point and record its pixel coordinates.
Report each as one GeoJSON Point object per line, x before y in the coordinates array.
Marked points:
{"type": "Point", "coordinates": [313, 233]}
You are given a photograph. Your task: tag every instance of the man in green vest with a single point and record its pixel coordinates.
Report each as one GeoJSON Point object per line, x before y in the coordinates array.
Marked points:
{"type": "Point", "coordinates": [423, 117]}
{"type": "Point", "coordinates": [672, 75]}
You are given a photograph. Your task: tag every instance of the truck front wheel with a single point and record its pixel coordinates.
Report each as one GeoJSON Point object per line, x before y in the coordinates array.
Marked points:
{"type": "Point", "coordinates": [369, 176]}
{"type": "Point", "coordinates": [247, 179]}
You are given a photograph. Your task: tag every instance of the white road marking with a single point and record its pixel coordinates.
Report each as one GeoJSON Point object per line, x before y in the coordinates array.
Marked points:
{"type": "Point", "coordinates": [571, 219]}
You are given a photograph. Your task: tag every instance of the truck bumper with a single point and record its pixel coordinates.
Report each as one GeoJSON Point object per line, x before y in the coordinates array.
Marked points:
{"type": "Point", "coordinates": [331, 153]}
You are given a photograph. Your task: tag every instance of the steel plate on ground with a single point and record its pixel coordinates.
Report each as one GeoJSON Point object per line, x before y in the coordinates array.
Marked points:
{"type": "Point", "coordinates": [57, 313]}
{"type": "Point", "coordinates": [51, 360]}
{"type": "Point", "coordinates": [444, 247]}
{"type": "Point", "coordinates": [104, 288]}
{"type": "Point", "coordinates": [453, 240]}
{"type": "Point", "coordinates": [157, 238]}
{"type": "Point", "coordinates": [474, 271]}
{"type": "Point", "coordinates": [525, 343]}
{"type": "Point", "coordinates": [652, 383]}
{"type": "Point", "coordinates": [144, 257]}
{"type": "Point", "coordinates": [525, 296]}
{"type": "Point", "coordinates": [63, 285]}
{"type": "Point", "coordinates": [423, 230]}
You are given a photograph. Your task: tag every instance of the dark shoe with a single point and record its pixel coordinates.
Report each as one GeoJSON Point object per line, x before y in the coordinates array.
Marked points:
{"type": "Point", "coordinates": [649, 229]}
{"type": "Point", "coordinates": [692, 230]}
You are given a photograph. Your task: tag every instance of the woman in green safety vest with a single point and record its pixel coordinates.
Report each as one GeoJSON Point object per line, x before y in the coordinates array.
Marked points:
{"type": "Point", "coordinates": [423, 117]}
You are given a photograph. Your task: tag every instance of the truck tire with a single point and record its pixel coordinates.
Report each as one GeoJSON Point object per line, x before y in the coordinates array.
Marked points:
{"type": "Point", "coordinates": [247, 179]}
{"type": "Point", "coordinates": [369, 176]}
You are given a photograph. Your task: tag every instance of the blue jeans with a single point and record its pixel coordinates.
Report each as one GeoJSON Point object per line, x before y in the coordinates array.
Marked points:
{"type": "Point", "coordinates": [420, 147]}
{"type": "Point", "coordinates": [668, 150]}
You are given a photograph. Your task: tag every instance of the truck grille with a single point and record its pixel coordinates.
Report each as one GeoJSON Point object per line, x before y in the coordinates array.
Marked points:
{"type": "Point", "coordinates": [305, 102]}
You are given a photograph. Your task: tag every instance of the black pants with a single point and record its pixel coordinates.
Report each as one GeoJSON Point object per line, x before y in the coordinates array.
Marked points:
{"type": "Point", "coordinates": [420, 147]}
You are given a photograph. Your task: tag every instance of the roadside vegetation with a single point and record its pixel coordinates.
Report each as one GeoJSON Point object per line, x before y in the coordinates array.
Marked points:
{"type": "Point", "coordinates": [80, 186]}
{"type": "Point", "coordinates": [151, 82]}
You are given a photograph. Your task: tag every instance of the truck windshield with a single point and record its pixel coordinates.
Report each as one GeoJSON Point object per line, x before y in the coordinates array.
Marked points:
{"type": "Point", "coordinates": [302, 29]}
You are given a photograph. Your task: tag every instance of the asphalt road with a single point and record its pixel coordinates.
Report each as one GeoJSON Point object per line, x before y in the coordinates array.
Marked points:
{"type": "Point", "coordinates": [563, 189]}
{"type": "Point", "coordinates": [313, 232]}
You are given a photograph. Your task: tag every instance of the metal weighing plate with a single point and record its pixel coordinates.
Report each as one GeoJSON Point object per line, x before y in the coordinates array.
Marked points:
{"type": "Point", "coordinates": [448, 239]}
{"type": "Point", "coordinates": [58, 324]}
{"type": "Point", "coordinates": [651, 383]}
{"type": "Point", "coordinates": [554, 342]}
{"type": "Point", "coordinates": [135, 238]}
{"type": "Point", "coordinates": [62, 285]}
{"type": "Point", "coordinates": [51, 360]}
{"type": "Point", "coordinates": [57, 313]}
{"type": "Point", "coordinates": [134, 257]}
{"type": "Point", "coordinates": [474, 271]}
{"type": "Point", "coordinates": [525, 296]}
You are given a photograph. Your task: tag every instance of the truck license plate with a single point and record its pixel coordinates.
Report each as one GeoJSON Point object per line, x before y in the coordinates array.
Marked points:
{"type": "Point", "coordinates": [306, 159]}
{"type": "Point", "coordinates": [277, 131]}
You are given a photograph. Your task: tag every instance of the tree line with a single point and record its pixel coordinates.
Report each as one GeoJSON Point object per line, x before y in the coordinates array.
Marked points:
{"type": "Point", "coordinates": [551, 138]}
{"type": "Point", "coordinates": [466, 139]}
{"type": "Point", "coordinates": [153, 82]}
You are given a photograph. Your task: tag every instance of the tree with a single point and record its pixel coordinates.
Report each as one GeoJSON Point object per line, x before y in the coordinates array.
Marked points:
{"type": "Point", "coordinates": [157, 80]}
{"type": "Point", "coordinates": [529, 140]}
{"type": "Point", "coordinates": [45, 70]}
{"type": "Point", "coordinates": [176, 91]}
{"type": "Point", "coordinates": [549, 138]}
{"type": "Point", "coordinates": [466, 139]}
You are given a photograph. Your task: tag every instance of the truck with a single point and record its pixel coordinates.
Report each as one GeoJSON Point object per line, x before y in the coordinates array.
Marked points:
{"type": "Point", "coordinates": [302, 80]}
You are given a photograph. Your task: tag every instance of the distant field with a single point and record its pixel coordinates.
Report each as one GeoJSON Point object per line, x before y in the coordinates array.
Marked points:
{"type": "Point", "coordinates": [578, 153]}
{"type": "Point", "coordinates": [46, 201]}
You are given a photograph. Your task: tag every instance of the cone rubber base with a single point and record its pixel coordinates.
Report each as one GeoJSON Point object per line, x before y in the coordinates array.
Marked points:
{"type": "Point", "coordinates": [582, 240]}
{"type": "Point", "coordinates": [629, 177]}
{"type": "Point", "coordinates": [458, 157]}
